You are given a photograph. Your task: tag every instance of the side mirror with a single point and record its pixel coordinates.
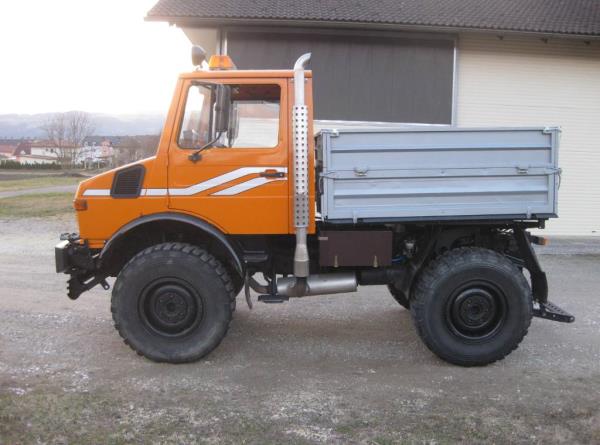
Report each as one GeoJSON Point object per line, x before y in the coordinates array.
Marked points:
{"type": "Point", "coordinates": [198, 55]}
{"type": "Point", "coordinates": [222, 108]}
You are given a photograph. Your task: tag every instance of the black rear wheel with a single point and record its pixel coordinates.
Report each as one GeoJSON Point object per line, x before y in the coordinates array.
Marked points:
{"type": "Point", "coordinates": [399, 296]}
{"type": "Point", "coordinates": [472, 306]}
{"type": "Point", "coordinates": [173, 303]}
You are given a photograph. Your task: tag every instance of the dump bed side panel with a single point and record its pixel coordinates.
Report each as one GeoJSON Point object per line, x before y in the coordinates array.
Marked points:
{"type": "Point", "coordinates": [438, 173]}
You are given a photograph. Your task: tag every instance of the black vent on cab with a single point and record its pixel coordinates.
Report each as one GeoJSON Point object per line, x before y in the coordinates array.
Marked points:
{"type": "Point", "coordinates": [127, 183]}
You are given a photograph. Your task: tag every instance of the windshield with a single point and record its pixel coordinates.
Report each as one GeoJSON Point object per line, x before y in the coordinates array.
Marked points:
{"type": "Point", "coordinates": [253, 117]}
{"type": "Point", "coordinates": [197, 126]}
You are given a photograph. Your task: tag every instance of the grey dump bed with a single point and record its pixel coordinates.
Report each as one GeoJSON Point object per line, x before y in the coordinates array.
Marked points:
{"type": "Point", "coordinates": [438, 173]}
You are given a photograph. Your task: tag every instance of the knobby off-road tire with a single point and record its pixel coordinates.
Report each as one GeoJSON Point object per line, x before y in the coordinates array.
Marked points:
{"type": "Point", "coordinates": [173, 303]}
{"type": "Point", "coordinates": [399, 297]}
{"type": "Point", "coordinates": [471, 306]}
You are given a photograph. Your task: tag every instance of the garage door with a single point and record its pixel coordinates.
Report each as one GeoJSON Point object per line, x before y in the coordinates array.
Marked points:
{"type": "Point", "coordinates": [523, 82]}
{"type": "Point", "coordinates": [361, 77]}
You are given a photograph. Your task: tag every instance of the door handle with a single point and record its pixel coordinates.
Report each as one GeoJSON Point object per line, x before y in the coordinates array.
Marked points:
{"type": "Point", "coordinates": [272, 174]}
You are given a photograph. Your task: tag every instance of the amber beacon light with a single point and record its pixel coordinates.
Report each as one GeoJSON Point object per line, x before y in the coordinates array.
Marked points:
{"type": "Point", "coordinates": [220, 62]}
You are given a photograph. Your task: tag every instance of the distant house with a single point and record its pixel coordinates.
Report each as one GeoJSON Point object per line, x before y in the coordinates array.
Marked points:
{"type": "Point", "coordinates": [8, 147]}
{"type": "Point", "coordinates": [36, 152]}
{"type": "Point", "coordinates": [99, 140]}
{"type": "Point", "coordinates": [94, 154]}
{"type": "Point", "coordinates": [27, 151]}
{"type": "Point", "coordinates": [23, 148]}
{"type": "Point", "coordinates": [452, 62]}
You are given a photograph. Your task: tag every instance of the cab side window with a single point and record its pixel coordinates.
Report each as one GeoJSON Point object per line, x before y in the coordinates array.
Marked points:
{"type": "Point", "coordinates": [254, 121]}
{"type": "Point", "coordinates": [253, 117]}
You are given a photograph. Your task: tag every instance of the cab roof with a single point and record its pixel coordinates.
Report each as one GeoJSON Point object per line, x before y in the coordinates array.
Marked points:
{"type": "Point", "coordinates": [229, 74]}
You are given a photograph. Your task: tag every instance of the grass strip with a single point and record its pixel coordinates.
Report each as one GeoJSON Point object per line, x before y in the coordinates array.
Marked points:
{"type": "Point", "coordinates": [37, 205]}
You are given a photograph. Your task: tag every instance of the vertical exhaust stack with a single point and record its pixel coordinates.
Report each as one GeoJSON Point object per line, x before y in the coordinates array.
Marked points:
{"type": "Point", "coordinates": [302, 284]}
{"type": "Point", "coordinates": [301, 211]}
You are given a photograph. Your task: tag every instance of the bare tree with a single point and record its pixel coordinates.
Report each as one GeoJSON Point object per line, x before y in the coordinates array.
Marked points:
{"type": "Point", "coordinates": [80, 127]}
{"type": "Point", "coordinates": [56, 134]}
{"type": "Point", "coordinates": [148, 145]}
{"type": "Point", "coordinates": [66, 132]}
{"type": "Point", "coordinates": [127, 150]}
{"type": "Point", "coordinates": [132, 148]}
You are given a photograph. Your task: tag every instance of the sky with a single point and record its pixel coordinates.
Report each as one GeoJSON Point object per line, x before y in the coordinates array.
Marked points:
{"type": "Point", "coordinates": [89, 55]}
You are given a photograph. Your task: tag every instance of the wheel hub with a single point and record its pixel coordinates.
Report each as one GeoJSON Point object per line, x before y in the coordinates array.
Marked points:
{"type": "Point", "coordinates": [170, 307]}
{"type": "Point", "coordinates": [475, 307]}
{"type": "Point", "coordinates": [476, 311]}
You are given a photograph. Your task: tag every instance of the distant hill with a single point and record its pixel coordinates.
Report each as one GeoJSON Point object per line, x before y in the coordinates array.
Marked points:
{"type": "Point", "coordinates": [15, 126]}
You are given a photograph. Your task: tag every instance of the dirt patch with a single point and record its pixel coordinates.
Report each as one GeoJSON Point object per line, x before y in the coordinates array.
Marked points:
{"type": "Point", "coordinates": [51, 414]}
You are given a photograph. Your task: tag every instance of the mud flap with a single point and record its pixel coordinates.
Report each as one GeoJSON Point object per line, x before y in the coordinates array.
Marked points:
{"type": "Point", "coordinates": [539, 282]}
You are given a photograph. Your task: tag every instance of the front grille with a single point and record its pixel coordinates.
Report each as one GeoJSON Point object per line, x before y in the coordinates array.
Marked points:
{"type": "Point", "coordinates": [127, 183]}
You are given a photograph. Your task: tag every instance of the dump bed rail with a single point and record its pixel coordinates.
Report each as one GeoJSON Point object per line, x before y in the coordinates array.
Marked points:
{"type": "Point", "coordinates": [438, 173]}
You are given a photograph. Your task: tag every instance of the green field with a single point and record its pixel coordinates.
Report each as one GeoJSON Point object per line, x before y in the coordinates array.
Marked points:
{"type": "Point", "coordinates": [21, 182]}
{"type": "Point", "coordinates": [36, 205]}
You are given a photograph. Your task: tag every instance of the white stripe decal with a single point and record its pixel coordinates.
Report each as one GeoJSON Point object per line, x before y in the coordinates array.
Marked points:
{"type": "Point", "coordinates": [97, 192]}
{"type": "Point", "coordinates": [244, 186]}
{"type": "Point", "coordinates": [220, 180]}
{"type": "Point", "coordinates": [154, 192]}
{"type": "Point", "coordinates": [208, 184]}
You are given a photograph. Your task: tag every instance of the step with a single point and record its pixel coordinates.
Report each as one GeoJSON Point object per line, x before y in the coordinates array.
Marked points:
{"type": "Point", "coordinates": [270, 299]}
{"type": "Point", "coordinates": [550, 311]}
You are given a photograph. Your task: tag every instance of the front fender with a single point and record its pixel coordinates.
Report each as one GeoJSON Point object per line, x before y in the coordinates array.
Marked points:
{"type": "Point", "coordinates": [200, 224]}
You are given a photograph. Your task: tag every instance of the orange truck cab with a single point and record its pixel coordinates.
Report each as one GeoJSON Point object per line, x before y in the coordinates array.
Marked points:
{"type": "Point", "coordinates": [232, 192]}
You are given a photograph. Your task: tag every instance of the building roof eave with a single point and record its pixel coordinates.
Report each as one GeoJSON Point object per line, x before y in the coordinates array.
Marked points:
{"type": "Point", "coordinates": [218, 22]}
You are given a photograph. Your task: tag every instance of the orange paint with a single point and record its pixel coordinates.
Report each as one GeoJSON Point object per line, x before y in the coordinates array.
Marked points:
{"type": "Point", "coordinates": [265, 209]}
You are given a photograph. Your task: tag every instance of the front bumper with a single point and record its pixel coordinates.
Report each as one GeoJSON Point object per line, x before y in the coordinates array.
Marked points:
{"type": "Point", "coordinates": [71, 256]}
{"type": "Point", "coordinates": [61, 256]}
{"type": "Point", "coordinates": [81, 263]}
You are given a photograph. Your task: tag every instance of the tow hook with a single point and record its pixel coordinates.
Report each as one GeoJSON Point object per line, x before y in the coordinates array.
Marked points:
{"type": "Point", "coordinates": [71, 237]}
{"type": "Point", "coordinates": [76, 285]}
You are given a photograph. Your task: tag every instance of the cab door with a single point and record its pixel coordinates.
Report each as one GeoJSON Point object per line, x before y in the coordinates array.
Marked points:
{"type": "Point", "coordinates": [236, 180]}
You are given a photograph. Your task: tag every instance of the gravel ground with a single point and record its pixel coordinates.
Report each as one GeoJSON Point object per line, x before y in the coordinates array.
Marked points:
{"type": "Point", "coordinates": [339, 369]}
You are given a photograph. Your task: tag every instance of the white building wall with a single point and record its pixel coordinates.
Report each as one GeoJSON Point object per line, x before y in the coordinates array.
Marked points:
{"type": "Point", "coordinates": [527, 82]}
{"type": "Point", "coordinates": [207, 38]}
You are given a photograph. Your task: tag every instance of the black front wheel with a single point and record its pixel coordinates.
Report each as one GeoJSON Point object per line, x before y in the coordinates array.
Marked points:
{"type": "Point", "coordinates": [472, 306]}
{"type": "Point", "coordinates": [173, 303]}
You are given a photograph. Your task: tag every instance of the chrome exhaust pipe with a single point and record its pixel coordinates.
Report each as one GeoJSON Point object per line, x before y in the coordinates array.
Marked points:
{"type": "Point", "coordinates": [301, 210]}
{"type": "Point", "coordinates": [323, 284]}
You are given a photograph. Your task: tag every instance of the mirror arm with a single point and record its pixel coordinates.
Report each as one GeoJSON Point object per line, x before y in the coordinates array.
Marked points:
{"type": "Point", "coordinates": [196, 156]}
